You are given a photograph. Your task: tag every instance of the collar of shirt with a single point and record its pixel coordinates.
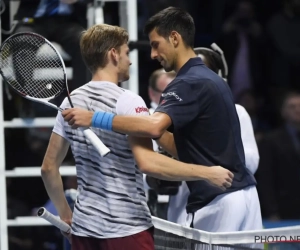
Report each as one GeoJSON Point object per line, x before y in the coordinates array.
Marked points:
{"type": "Point", "coordinates": [190, 63]}
{"type": "Point", "coordinates": [153, 105]}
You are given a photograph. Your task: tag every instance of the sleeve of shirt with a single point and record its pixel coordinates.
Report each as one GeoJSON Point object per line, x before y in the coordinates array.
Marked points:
{"type": "Point", "coordinates": [131, 104]}
{"type": "Point", "coordinates": [59, 123]}
{"type": "Point", "coordinates": [248, 139]}
{"type": "Point", "coordinates": [180, 102]}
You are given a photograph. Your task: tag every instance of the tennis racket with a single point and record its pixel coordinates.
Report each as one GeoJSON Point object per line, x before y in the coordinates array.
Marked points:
{"type": "Point", "coordinates": [32, 66]}
{"type": "Point", "coordinates": [54, 220]}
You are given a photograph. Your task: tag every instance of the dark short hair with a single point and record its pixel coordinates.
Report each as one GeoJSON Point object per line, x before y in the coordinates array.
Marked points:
{"type": "Point", "coordinates": [173, 19]}
{"type": "Point", "coordinates": [212, 59]}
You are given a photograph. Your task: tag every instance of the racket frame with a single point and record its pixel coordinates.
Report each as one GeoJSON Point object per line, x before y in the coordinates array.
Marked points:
{"type": "Point", "coordinates": [97, 143]}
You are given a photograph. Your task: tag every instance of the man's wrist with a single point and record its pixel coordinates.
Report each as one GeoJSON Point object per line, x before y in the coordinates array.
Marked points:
{"type": "Point", "coordinates": [203, 172]}
{"type": "Point", "coordinates": [64, 211]}
{"type": "Point", "coordinates": [102, 120]}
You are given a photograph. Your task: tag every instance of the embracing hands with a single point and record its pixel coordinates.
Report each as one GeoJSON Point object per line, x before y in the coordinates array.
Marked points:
{"type": "Point", "coordinates": [77, 117]}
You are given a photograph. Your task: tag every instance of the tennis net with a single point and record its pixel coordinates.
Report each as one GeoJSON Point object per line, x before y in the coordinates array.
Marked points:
{"type": "Point", "coordinates": [171, 236]}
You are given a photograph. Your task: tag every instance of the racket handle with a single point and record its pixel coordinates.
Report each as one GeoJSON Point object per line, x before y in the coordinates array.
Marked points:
{"type": "Point", "coordinates": [97, 143]}
{"type": "Point", "coordinates": [54, 220]}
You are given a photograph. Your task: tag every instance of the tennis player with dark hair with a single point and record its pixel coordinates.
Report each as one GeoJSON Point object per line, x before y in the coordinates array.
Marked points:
{"type": "Point", "coordinates": [198, 110]}
{"type": "Point", "coordinates": [215, 60]}
{"type": "Point", "coordinates": [111, 210]}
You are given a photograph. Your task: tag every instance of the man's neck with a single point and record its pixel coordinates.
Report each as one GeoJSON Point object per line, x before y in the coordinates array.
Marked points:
{"type": "Point", "coordinates": [183, 57]}
{"type": "Point", "coordinates": [105, 75]}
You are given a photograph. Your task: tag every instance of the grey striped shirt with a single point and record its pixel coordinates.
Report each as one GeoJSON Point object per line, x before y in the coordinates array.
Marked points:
{"type": "Point", "coordinates": [111, 201]}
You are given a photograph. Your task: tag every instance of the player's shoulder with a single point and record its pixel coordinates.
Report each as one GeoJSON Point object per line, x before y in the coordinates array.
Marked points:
{"type": "Point", "coordinates": [79, 92]}
{"type": "Point", "coordinates": [95, 87]}
{"type": "Point", "coordinates": [129, 96]}
{"type": "Point", "coordinates": [129, 93]}
{"type": "Point", "coordinates": [82, 88]}
{"type": "Point", "coordinates": [65, 103]}
{"type": "Point", "coordinates": [178, 83]}
{"type": "Point", "coordinates": [130, 103]}
{"type": "Point", "coordinates": [198, 80]}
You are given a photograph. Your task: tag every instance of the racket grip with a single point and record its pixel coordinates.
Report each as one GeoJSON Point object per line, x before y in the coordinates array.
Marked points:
{"type": "Point", "coordinates": [54, 220]}
{"type": "Point", "coordinates": [97, 143]}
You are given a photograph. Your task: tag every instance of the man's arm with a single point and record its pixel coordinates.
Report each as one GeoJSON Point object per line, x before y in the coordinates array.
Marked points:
{"type": "Point", "coordinates": [55, 154]}
{"type": "Point", "coordinates": [166, 141]}
{"type": "Point", "coordinates": [179, 106]}
{"type": "Point", "coordinates": [152, 126]}
{"type": "Point", "coordinates": [165, 168]}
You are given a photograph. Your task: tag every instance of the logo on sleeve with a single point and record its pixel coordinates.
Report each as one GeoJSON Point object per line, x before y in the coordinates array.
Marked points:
{"type": "Point", "coordinates": [172, 94]}
{"type": "Point", "coordinates": [162, 102]}
{"type": "Point", "coordinates": [141, 109]}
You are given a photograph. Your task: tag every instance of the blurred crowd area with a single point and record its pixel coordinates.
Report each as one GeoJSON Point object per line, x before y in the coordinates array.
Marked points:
{"type": "Point", "coordinates": [261, 42]}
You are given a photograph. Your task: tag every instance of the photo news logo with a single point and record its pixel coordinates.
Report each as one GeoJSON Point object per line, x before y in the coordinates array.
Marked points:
{"type": "Point", "coordinates": [276, 238]}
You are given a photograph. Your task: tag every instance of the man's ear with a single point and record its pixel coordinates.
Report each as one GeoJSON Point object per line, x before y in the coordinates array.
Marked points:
{"type": "Point", "coordinates": [114, 55]}
{"type": "Point", "coordinates": [174, 38]}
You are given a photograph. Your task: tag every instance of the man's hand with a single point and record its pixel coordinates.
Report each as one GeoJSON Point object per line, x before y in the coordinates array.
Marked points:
{"type": "Point", "coordinates": [77, 117]}
{"type": "Point", "coordinates": [68, 235]}
{"type": "Point", "coordinates": [220, 177]}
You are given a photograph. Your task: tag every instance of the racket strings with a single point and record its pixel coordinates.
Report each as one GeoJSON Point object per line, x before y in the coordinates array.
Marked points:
{"type": "Point", "coordinates": [32, 66]}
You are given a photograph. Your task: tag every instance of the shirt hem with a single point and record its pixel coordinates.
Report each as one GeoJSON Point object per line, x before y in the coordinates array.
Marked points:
{"type": "Point", "coordinates": [192, 208]}
{"type": "Point", "coordinates": [80, 234]}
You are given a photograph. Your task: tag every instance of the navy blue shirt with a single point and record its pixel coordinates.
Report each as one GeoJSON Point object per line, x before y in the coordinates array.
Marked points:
{"type": "Point", "coordinates": [206, 128]}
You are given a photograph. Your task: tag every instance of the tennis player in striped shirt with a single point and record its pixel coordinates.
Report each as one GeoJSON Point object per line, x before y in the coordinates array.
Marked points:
{"type": "Point", "coordinates": [111, 210]}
